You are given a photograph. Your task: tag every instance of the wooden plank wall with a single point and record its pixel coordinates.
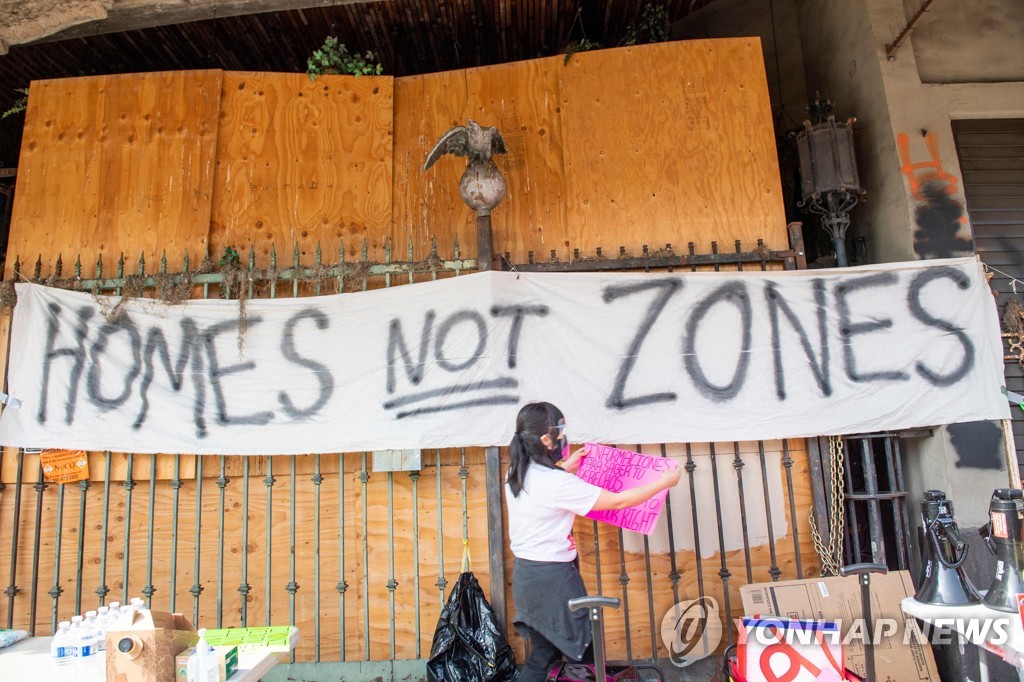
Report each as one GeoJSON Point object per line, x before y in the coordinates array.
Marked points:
{"type": "Point", "coordinates": [521, 101]}
{"type": "Point", "coordinates": [365, 580]}
{"type": "Point", "coordinates": [113, 164]}
{"type": "Point", "coordinates": [302, 162]}
{"type": "Point", "coordinates": [656, 144]}
{"type": "Point", "coordinates": [648, 145]}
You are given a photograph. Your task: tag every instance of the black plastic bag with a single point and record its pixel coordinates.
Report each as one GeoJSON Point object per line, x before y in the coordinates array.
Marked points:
{"type": "Point", "coordinates": [469, 644]}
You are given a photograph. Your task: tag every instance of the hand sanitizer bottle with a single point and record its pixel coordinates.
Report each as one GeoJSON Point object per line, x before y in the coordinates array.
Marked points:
{"type": "Point", "coordinates": [203, 665]}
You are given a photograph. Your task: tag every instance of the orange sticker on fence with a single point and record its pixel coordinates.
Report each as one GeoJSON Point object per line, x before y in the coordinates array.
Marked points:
{"type": "Point", "coordinates": [64, 466]}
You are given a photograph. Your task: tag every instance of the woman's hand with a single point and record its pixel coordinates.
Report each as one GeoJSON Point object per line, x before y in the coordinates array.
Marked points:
{"type": "Point", "coordinates": [670, 478]}
{"type": "Point", "coordinates": [572, 464]}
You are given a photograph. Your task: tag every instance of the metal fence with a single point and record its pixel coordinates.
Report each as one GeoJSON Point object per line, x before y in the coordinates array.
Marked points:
{"type": "Point", "coordinates": [361, 560]}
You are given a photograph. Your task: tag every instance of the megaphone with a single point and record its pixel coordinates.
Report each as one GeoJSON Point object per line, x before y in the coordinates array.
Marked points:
{"type": "Point", "coordinates": [1002, 536]}
{"type": "Point", "coordinates": [944, 551]}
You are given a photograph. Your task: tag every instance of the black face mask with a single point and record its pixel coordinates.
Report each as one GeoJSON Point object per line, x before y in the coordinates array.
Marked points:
{"type": "Point", "coordinates": [560, 449]}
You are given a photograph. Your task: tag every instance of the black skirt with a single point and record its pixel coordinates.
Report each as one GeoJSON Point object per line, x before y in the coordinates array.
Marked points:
{"type": "Point", "coordinates": [542, 590]}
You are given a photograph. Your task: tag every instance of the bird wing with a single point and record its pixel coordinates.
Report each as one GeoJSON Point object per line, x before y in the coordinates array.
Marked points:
{"type": "Point", "coordinates": [455, 141]}
{"type": "Point", "coordinates": [497, 143]}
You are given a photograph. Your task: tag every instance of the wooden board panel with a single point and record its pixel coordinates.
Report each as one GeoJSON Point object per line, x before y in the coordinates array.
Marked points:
{"type": "Point", "coordinates": [113, 164]}
{"type": "Point", "coordinates": [302, 162]}
{"type": "Point", "coordinates": [422, 561]}
{"type": "Point", "coordinates": [519, 99]}
{"type": "Point", "coordinates": [670, 143]}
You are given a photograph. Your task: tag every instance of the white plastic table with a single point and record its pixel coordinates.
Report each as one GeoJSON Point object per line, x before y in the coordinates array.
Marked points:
{"type": "Point", "coordinates": [970, 622]}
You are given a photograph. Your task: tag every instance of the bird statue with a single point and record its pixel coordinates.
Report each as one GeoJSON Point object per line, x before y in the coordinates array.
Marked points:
{"type": "Point", "coordinates": [482, 185]}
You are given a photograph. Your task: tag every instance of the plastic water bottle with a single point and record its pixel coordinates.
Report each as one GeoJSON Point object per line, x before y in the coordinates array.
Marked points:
{"type": "Point", "coordinates": [114, 614]}
{"type": "Point", "coordinates": [204, 664]}
{"type": "Point", "coordinates": [88, 656]}
{"type": "Point", "coordinates": [74, 637]}
{"type": "Point", "coordinates": [102, 625]}
{"type": "Point", "coordinates": [60, 652]}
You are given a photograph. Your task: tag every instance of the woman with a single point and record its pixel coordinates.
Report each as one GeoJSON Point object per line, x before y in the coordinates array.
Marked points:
{"type": "Point", "coordinates": [544, 496]}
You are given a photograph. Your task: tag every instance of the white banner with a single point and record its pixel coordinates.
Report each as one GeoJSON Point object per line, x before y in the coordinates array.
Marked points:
{"type": "Point", "coordinates": [629, 358]}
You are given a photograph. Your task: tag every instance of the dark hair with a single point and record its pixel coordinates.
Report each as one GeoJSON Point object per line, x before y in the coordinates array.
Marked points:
{"type": "Point", "coordinates": [534, 420]}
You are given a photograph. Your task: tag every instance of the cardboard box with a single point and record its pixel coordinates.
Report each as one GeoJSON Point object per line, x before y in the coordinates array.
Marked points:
{"type": "Point", "coordinates": [142, 647]}
{"type": "Point", "coordinates": [228, 656]}
{"type": "Point", "coordinates": [904, 656]}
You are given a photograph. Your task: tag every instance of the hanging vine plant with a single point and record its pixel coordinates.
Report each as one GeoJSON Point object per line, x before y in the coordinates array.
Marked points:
{"type": "Point", "coordinates": [652, 26]}
{"type": "Point", "coordinates": [334, 58]}
{"type": "Point", "coordinates": [19, 105]}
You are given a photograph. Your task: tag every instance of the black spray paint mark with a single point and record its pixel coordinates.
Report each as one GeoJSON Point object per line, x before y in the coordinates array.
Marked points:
{"type": "Point", "coordinates": [77, 354]}
{"type": "Point", "coordinates": [319, 370]}
{"type": "Point", "coordinates": [938, 222]}
{"type": "Point", "coordinates": [399, 349]}
{"type": "Point", "coordinates": [736, 294]}
{"type": "Point", "coordinates": [978, 445]}
{"type": "Point", "coordinates": [396, 343]}
{"type": "Point", "coordinates": [517, 312]}
{"type": "Point", "coordinates": [617, 399]}
{"type": "Point", "coordinates": [914, 302]}
{"type": "Point", "coordinates": [190, 348]}
{"type": "Point", "coordinates": [471, 316]}
{"type": "Point", "coordinates": [216, 372]}
{"type": "Point", "coordinates": [93, 380]}
{"type": "Point", "coordinates": [820, 368]}
{"type": "Point", "coordinates": [848, 329]}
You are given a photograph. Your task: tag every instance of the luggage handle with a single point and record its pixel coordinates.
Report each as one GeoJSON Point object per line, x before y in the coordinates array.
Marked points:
{"type": "Point", "coordinates": [578, 603]}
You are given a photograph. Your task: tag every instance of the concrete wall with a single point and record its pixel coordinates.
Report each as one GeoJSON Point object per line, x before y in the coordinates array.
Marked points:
{"type": "Point", "coordinates": [907, 160]}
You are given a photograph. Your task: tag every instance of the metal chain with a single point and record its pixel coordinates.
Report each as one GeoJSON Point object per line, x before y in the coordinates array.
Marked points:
{"type": "Point", "coordinates": [831, 555]}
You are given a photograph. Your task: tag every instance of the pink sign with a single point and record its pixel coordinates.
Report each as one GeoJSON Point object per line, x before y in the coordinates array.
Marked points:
{"type": "Point", "coordinates": [616, 470]}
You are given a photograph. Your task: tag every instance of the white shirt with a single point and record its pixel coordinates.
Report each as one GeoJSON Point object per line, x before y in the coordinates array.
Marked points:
{"type": "Point", "coordinates": [540, 520]}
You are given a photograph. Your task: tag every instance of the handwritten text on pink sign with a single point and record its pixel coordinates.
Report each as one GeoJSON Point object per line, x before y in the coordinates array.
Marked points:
{"type": "Point", "coordinates": [617, 470]}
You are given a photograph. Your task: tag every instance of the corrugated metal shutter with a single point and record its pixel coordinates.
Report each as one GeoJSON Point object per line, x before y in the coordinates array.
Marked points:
{"type": "Point", "coordinates": [992, 162]}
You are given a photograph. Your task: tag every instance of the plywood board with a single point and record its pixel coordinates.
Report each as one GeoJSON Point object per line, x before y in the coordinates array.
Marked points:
{"type": "Point", "coordinates": [670, 143]}
{"type": "Point", "coordinates": [520, 100]}
{"type": "Point", "coordinates": [113, 164]}
{"type": "Point", "coordinates": [303, 162]}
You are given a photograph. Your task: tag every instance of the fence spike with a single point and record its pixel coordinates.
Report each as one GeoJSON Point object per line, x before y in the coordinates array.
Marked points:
{"type": "Point", "coordinates": [364, 249]}
{"type": "Point", "coordinates": [38, 271]}
{"type": "Point", "coordinates": [78, 266]}
{"type": "Point", "coordinates": [554, 256]}
{"type": "Point", "coordinates": [163, 262]}
{"type": "Point", "coordinates": [341, 252]}
{"type": "Point", "coordinates": [17, 265]}
{"type": "Point", "coordinates": [456, 254]}
{"type": "Point", "coordinates": [142, 264]}
{"type": "Point", "coordinates": [58, 267]}
{"type": "Point", "coordinates": [529, 257]}
{"type": "Point", "coordinates": [319, 254]}
{"type": "Point", "coordinates": [575, 254]}
{"type": "Point", "coordinates": [184, 265]}
{"type": "Point", "coordinates": [252, 257]}
{"type": "Point", "coordinates": [690, 246]}
{"type": "Point", "coordinates": [387, 250]}
{"type": "Point", "coordinates": [410, 249]}
{"type": "Point", "coordinates": [99, 266]}
{"type": "Point", "coordinates": [599, 254]}
{"type": "Point", "coordinates": [120, 266]}
{"type": "Point", "coordinates": [273, 256]}
{"type": "Point", "coordinates": [739, 247]}
{"type": "Point", "coordinates": [714, 247]}
{"type": "Point", "coordinates": [433, 245]}
{"type": "Point", "coordinates": [295, 255]}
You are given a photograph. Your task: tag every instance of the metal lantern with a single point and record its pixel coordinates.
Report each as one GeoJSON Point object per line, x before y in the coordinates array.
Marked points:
{"type": "Point", "coordinates": [828, 173]}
